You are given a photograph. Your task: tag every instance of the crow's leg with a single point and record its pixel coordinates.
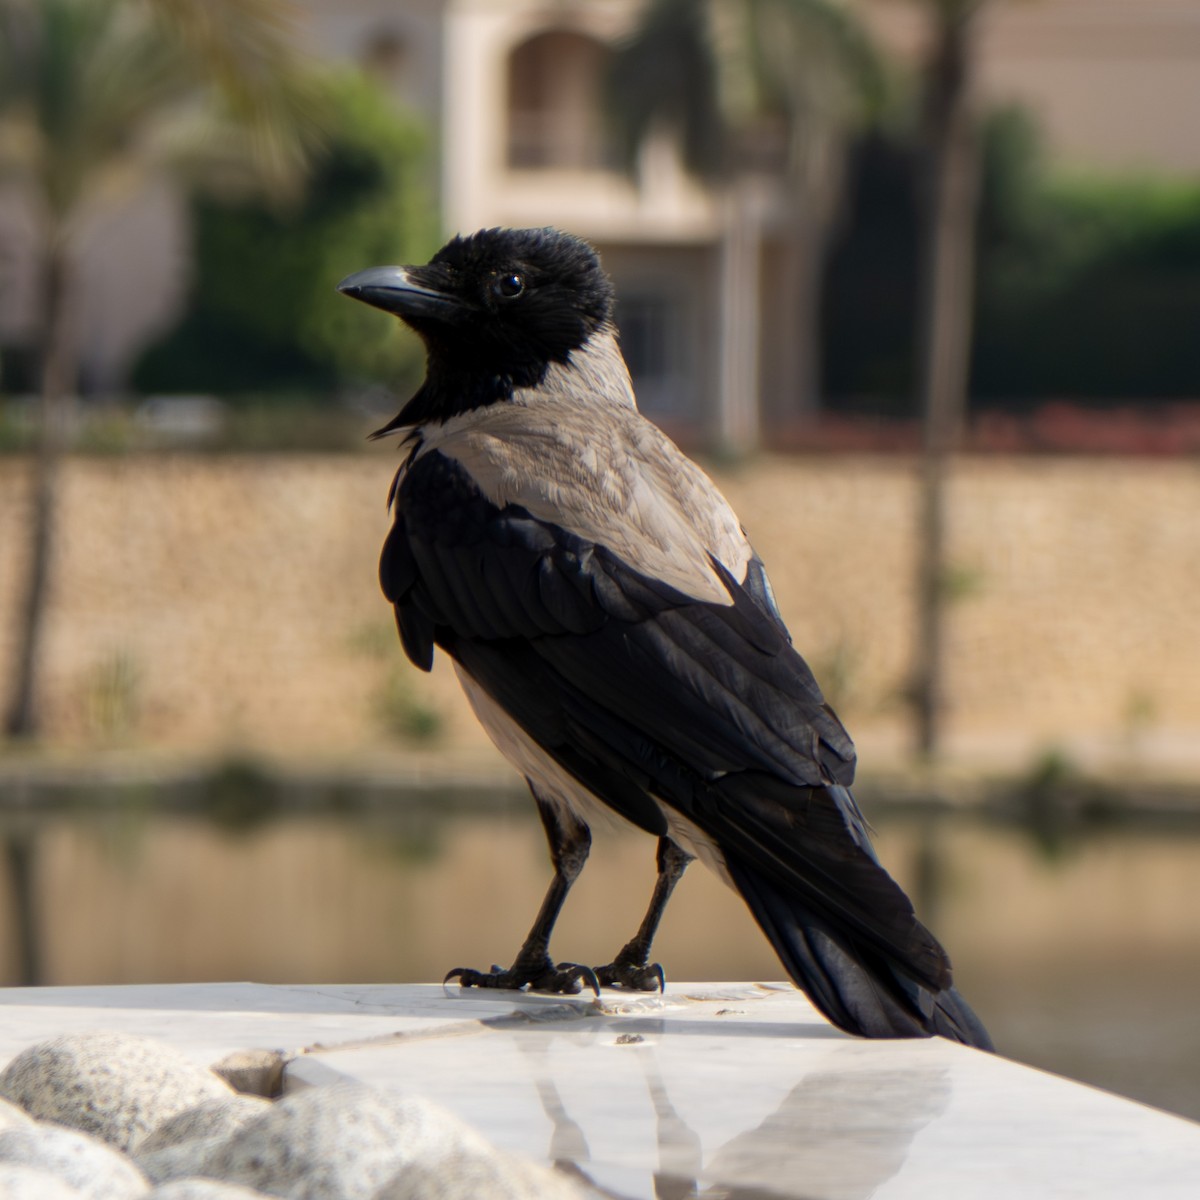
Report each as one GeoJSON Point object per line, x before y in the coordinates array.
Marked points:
{"type": "Point", "coordinates": [632, 968]}
{"type": "Point", "coordinates": [570, 840]}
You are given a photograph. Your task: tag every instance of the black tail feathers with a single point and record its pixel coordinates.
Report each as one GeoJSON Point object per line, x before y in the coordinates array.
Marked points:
{"type": "Point", "coordinates": [859, 988]}
{"type": "Point", "coordinates": [953, 1018]}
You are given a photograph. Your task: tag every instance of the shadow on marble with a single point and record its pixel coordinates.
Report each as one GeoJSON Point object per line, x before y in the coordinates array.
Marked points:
{"type": "Point", "coordinates": [715, 1027]}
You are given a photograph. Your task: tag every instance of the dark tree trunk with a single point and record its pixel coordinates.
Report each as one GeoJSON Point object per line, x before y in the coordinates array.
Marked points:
{"type": "Point", "coordinates": [737, 430]}
{"type": "Point", "coordinates": [803, 270]}
{"type": "Point", "coordinates": [950, 198]}
{"type": "Point", "coordinates": [21, 718]}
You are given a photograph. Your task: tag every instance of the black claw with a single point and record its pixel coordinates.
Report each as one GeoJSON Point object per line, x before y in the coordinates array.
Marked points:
{"type": "Point", "coordinates": [565, 978]}
{"type": "Point", "coordinates": [636, 977]}
{"type": "Point", "coordinates": [579, 975]}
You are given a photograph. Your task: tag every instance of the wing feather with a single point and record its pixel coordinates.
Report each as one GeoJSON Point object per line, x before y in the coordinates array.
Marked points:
{"type": "Point", "coordinates": [714, 682]}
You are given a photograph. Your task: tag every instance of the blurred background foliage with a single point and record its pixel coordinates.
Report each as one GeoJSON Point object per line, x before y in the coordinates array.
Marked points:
{"type": "Point", "coordinates": [1087, 285]}
{"type": "Point", "coordinates": [263, 315]}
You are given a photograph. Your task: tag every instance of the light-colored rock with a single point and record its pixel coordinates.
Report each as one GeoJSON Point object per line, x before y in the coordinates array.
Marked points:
{"type": "Point", "coordinates": [340, 1143]}
{"type": "Point", "coordinates": [255, 1072]}
{"type": "Point", "coordinates": [18, 1182]}
{"type": "Point", "coordinates": [203, 1189]}
{"type": "Point", "coordinates": [180, 1161]}
{"type": "Point", "coordinates": [11, 1115]}
{"type": "Point", "coordinates": [469, 1176]}
{"type": "Point", "coordinates": [215, 1118]}
{"type": "Point", "coordinates": [84, 1162]}
{"type": "Point", "coordinates": [114, 1085]}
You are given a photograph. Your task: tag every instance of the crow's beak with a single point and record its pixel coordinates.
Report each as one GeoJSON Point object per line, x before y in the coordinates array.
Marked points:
{"type": "Point", "coordinates": [396, 290]}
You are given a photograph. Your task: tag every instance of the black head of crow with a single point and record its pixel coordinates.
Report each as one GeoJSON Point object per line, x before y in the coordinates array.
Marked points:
{"type": "Point", "coordinates": [495, 311]}
{"type": "Point", "coordinates": [616, 635]}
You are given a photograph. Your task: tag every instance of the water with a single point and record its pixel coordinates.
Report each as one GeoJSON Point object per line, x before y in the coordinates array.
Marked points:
{"type": "Point", "coordinates": [1084, 960]}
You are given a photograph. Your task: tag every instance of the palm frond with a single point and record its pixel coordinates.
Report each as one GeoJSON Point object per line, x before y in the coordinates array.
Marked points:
{"type": "Point", "coordinates": [666, 74]}
{"type": "Point", "coordinates": [806, 48]}
{"type": "Point", "coordinates": [249, 50]}
{"type": "Point", "coordinates": [93, 90]}
{"type": "Point", "coordinates": [721, 72]}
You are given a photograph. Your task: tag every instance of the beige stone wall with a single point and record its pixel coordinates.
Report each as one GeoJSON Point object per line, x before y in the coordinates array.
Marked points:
{"type": "Point", "coordinates": [203, 605]}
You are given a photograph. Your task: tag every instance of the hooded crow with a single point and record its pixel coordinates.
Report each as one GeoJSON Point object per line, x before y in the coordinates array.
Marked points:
{"type": "Point", "coordinates": [618, 639]}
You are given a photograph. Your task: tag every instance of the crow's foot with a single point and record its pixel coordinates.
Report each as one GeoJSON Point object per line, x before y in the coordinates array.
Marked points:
{"type": "Point", "coordinates": [635, 976]}
{"type": "Point", "coordinates": [564, 978]}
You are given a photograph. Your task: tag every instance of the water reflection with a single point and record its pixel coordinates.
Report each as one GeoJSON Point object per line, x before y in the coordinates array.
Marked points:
{"type": "Point", "coordinates": [1086, 963]}
{"type": "Point", "coordinates": [843, 1133]}
{"type": "Point", "coordinates": [722, 1131]}
{"type": "Point", "coordinates": [680, 1153]}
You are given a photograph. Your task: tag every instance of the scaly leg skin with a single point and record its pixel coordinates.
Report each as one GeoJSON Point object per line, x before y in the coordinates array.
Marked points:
{"type": "Point", "coordinates": [632, 967]}
{"type": "Point", "coordinates": [570, 840]}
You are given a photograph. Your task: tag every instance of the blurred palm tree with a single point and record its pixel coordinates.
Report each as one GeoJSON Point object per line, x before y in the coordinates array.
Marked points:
{"type": "Point", "coordinates": [776, 87]}
{"type": "Point", "coordinates": [759, 94]}
{"type": "Point", "coordinates": [96, 96]}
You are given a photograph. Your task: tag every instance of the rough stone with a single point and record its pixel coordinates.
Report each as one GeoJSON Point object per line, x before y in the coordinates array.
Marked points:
{"type": "Point", "coordinates": [215, 1118]}
{"type": "Point", "coordinates": [18, 1182]}
{"type": "Point", "coordinates": [180, 1161]}
{"type": "Point", "coordinates": [11, 1115]}
{"type": "Point", "coordinates": [203, 1189]}
{"type": "Point", "coordinates": [114, 1085]}
{"type": "Point", "coordinates": [84, 1162]}
{"type": "Point", "coordinates": [339, 1143]}
{"type": "Point", "coordinates": [468, 1175]}
{"type": "Point", "coordinates": [255, 1072]}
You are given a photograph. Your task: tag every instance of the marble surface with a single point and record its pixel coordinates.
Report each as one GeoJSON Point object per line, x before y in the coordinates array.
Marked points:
{"type": "Point", "coordinates": [738, 1091]}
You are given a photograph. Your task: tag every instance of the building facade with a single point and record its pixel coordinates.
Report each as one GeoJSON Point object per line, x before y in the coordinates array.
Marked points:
{"type": "Point", "coordinates": [514, 91]}
{"type": "Point", "coordinates": [710, 315]}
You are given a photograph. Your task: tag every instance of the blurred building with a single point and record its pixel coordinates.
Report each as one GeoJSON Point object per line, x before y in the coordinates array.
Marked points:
{"type": "Point", "coordinates": [515, 92]}
{"type": "Point", "coordinates": [1113, 84]}
{"type": "Point", "coordinates": [512, 89]}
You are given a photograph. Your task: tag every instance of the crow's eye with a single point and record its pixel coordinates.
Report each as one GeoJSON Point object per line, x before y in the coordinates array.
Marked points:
{"type": "Point", "coordinates": [509, 286]}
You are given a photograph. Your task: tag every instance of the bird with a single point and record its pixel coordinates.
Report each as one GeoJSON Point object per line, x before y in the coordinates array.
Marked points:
{"type": "Point", "coordinates": [618, 638]}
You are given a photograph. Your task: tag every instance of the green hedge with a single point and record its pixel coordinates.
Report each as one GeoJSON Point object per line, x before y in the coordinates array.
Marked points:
{"type": "Point", "coordinates": [1088, 288]}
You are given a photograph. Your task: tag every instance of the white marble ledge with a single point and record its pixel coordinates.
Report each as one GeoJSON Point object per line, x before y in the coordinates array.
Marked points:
{"type": "Point", "coordinates": [737, 1091]}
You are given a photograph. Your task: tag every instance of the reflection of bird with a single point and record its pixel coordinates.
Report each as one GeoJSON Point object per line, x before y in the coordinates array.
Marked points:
{"type": "Point", "coordinates": [839, 1134]}
{"type": "Point", "coordinates": [617, 636]}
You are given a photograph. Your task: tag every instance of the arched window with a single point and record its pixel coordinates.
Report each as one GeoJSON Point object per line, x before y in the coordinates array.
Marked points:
{"type": "Point", "coordinates": [554, 102]}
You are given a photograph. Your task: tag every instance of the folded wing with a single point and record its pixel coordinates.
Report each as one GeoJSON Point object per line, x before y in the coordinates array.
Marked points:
{"type": "Point", "coordinates": [674, 711]}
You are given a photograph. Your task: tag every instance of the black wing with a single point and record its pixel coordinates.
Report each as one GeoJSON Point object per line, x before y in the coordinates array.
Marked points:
{"type": "Point", "coordinates": [717, 682]}
{"type": "Point", "coordinates": [650, 697]}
